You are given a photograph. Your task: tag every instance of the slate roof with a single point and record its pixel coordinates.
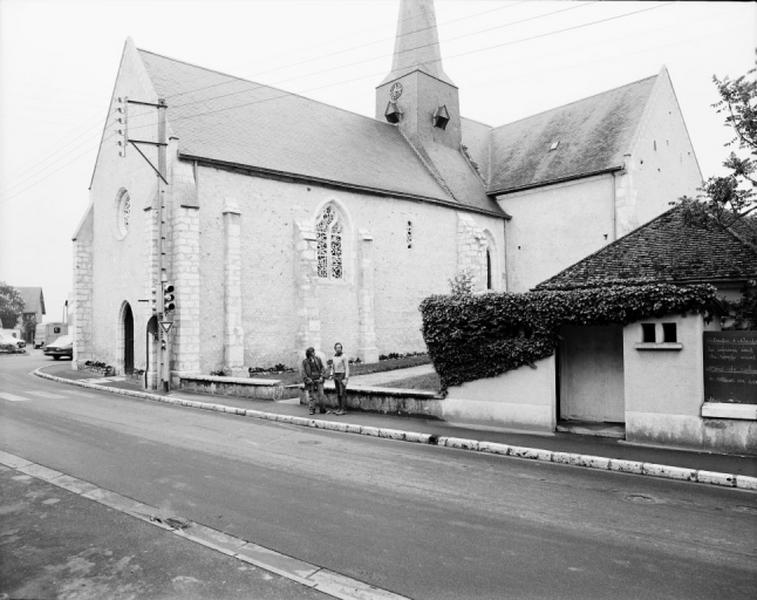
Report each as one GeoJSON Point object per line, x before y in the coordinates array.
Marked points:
{"type": "Point", "coordinates": [34, 300]}
{"type": "Point", "coordinates": [593, 135]}
{"type": "Point", "coordinates": [666, 249]}
{"type": "Point", "coordinates": [223, 118]}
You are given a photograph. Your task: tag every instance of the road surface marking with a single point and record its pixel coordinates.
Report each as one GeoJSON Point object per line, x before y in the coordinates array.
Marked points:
{"type": "Point", "coordinates": [48, 395]}
{"type": "Point", "coordinates": [12, 397]}
{"type": "Point", "coordinates": [329, 583]}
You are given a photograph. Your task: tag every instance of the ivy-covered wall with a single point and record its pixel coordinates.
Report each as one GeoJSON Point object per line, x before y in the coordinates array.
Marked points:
{"type": "Point", "coordinates": [474, 336]}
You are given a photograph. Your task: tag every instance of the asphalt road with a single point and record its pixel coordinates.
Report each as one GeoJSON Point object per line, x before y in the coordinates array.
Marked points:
{"type": "Point", "coordinates": [422, 521]}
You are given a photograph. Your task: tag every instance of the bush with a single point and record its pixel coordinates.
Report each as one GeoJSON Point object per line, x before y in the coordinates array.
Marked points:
{"type": "Point", "coordinates": [462, 283]}
{"type": "Point", "coordinates": [99, 366]}
{"type": "Point", "coordinates": [470, 337]}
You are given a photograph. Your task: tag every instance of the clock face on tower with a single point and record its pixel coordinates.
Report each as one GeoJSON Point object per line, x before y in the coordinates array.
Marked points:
{"type": "Point", "coordinates": [395, 91]}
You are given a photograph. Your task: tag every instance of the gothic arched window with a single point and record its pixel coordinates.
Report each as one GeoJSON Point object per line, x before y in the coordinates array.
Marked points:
{"type": "Point", "coordinates": [489, 263]}
{"type": "Point", "coordinates": [488, 269]}
{"type": "Point", "coordinates": [329, 229]}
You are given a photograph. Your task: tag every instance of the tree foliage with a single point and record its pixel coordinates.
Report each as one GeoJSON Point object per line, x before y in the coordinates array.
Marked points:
{"type": "Point", "coordinates": [731, 200]}
{"type": "Point", "coordinates": [11, 305]}
{"type": "Point", "coordinates": [474, 336]}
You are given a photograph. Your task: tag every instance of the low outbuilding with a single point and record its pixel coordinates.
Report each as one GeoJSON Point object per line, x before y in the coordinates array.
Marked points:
{"type": "Point", "coordinates": [643, 354]}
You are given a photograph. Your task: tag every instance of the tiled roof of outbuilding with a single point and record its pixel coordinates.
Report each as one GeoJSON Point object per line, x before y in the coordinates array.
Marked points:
{"type": "Point", "coordinates": [593, 134]}
{"type": "Point", "coordinates": [223, 118]}
{"type": "Point", "coordinates": [666, 249]}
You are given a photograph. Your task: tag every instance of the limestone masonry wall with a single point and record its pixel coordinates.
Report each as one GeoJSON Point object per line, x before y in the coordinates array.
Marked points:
{"type": "Point", "coordinates": [410, 249]}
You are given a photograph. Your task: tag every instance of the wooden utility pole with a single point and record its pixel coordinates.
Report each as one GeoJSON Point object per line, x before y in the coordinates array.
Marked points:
{"type": "Point", "coordinates": [161, 310]}
{"type": "Point", "coordinates": [165, 346]}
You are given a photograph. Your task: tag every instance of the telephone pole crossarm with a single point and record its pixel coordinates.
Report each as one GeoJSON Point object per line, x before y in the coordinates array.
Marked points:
{"type": "Point", "coordinates": [149, 162]}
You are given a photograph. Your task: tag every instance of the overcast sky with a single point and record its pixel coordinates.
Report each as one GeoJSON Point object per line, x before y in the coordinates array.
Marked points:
{"type": "Point", "coordinates": [510, 59]}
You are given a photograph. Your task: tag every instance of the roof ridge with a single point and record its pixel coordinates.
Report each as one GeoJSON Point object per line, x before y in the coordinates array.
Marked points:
{"type": "Point", "coordinates": [264, 85]}
{"type": "Point", "coordinates": [561, 106]}
{"type": "Point", "coordinates": [429, 165]}
{"type": "Point", "coordinates": [477, 121]}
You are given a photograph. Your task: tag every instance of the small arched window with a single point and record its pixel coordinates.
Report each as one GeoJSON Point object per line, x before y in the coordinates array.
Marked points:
{"type": "Point", "coordinates": [123, 213]}
{"type": "Point", "coordinates": [329, 230]}
{"type": "Point", "coordinates": [488, 269]}
{"type": "Point", "coordinates": [489, 262]}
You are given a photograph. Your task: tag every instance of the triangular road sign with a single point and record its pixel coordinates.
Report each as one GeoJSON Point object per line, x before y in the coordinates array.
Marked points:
{"type": "Point", "coordinates": [166, 325]}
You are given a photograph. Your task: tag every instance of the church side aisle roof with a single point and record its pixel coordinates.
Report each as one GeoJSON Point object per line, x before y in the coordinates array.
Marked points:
{"type": "Point", "coordinates": [666, 249]}
{"type": "Point", "coordinates": [223, 118]}
{"type": "Point", "coordinates": [593, 134]}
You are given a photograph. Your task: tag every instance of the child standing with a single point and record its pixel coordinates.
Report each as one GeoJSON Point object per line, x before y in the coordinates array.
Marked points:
{"type": "Point", "coordinates": [341, 370]}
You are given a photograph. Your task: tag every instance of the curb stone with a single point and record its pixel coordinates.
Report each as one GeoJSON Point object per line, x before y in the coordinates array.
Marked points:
{"type": "Point", "coordinates": [744, 482]}
{"type": "Point", "coordinates": [329, 583]}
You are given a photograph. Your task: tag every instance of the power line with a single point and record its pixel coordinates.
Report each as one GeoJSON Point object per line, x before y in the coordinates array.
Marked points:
{"type": "Point", "coordinates": [406, 50]}
{"type": "Point", "coordinates": [372, 75]}
{"type": "Point", "coordinates": [36, 173]}
{"type": "Point", "coordinates": [233, 79]}
{"type": "Point", "coordinates": [61, 167]}
{"type": "Point", "coordinates": [287, 94]}
{"type": "Point", "coordinates": [63, 148]}
{"type": "Point", "coordinates": [96, 124]}
{"type": "Point", "coordinates": [345, 50]}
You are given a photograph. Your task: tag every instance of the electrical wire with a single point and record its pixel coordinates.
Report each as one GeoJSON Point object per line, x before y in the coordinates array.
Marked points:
{"type": "Point", "coordinates": [404, 51]}
{"type": "Point", "coordinates": [96, 124]}
{"type": "Point", "coordinates": [345, 50]}
{"type": "Point", "coordinates": [373, 75]}
{"type": "Point", "coordinates": [61, 167]}
{"type": "Point", "coordinates": [466, 53]}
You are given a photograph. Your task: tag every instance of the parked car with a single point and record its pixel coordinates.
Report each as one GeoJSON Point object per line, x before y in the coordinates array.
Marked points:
{"type": "Point", "coordinates": [63, 346]}
{"type": "Point", "coordinates": [11, 344]}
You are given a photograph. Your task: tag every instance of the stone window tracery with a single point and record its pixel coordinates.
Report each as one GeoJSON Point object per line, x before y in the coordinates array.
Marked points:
{"type": "Point", "coordinates": [123, 213]}
{"type": "Point", "coordinates": [329, 247]}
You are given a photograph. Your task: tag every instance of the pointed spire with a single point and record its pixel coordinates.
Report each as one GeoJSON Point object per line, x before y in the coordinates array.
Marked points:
{"type": "Point", "coordinates": [416, 46]}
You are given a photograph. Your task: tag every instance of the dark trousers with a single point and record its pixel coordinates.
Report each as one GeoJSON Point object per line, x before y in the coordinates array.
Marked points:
{"type": "Point", "coordinates": [340, 389]}
{"type": "Point", "coordinates": [314, 393]}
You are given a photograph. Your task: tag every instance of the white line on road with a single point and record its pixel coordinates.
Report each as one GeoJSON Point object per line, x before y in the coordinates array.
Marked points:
{"type": "Point", "coordinates": [12, 397]}
{"type": "Point", "coordinates": [313, 576]}
{"type": "Point", "coordinates": [48, 395]}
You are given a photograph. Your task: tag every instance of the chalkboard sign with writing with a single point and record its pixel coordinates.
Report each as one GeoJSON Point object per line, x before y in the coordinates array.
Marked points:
{"type": "Point", "coordinates": [730, 366]}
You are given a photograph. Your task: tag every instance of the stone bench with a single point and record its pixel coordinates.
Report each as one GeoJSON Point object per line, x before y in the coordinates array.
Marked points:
{"type": "Point", "coordinates": [386, 400]}
{"type": "Point", "coordinates": [240, 387]}
{"type": "Point", "coordinates": [383, 400]}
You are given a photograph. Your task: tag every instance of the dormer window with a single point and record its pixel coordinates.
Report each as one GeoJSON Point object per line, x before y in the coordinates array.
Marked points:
{"type": "Point", "coordinates": [441, 117]}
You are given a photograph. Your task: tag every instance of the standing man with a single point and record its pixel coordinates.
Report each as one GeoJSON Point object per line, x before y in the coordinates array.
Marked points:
{"type": "Point", "coordinates": [312, 377]}
{"type": "Point", "coordinates": [341, 370]}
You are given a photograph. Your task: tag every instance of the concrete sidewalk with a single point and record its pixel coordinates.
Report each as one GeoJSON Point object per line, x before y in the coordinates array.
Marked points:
{"type": "Point", "coordinates": [66, 538]}
{"type": "Point", "coordinates": [565, 448]}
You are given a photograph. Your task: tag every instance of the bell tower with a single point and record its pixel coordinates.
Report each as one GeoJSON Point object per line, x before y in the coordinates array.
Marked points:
{"type": "Point", "coordinates": [417, 94]}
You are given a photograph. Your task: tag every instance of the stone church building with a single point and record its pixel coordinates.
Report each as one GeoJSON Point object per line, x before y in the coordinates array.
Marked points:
{"type": "Point", "coordinates": [290, 223]}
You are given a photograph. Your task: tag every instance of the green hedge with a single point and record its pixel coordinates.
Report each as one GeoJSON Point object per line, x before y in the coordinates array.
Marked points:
{"type": "Point", "coordinates": [473, 336]}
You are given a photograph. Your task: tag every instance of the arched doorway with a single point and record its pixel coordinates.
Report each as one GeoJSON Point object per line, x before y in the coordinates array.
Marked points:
{"type": "Point", "coordinates": [128, 338]}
